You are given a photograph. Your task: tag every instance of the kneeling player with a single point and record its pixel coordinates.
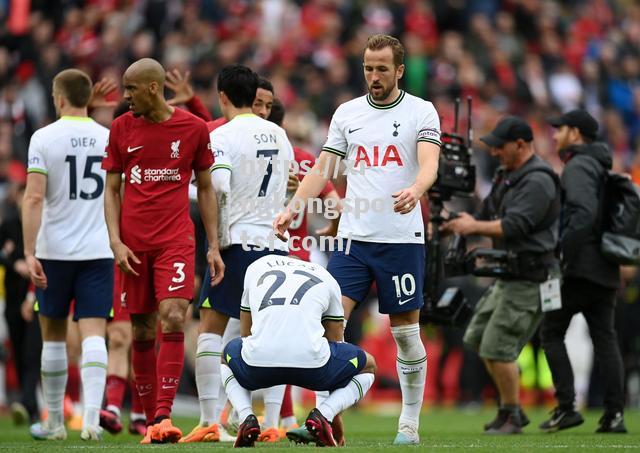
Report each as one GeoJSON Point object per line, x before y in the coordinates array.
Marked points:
{"type": "Point", "coordinates": [288, 301]}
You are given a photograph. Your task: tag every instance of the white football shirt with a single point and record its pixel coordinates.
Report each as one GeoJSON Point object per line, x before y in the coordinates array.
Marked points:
{"type": "Point", "coordinates": [384, 140]}
{"type": "Point", "coordinates": [251, 156]}
{"type": "Point", "coordinates": [69, 152]}
{"type": "Point", "coordinates": [288, 299]}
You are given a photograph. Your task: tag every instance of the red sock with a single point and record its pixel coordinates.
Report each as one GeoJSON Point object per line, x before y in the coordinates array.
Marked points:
{"type": "Point", "coordinates": [286, 410]}
{"type": "Point", "coordinates": [73, 382]}
{"type": "Point", "coordinates": [170, 361]}
{"type": "Point", "coordinates": [116, 387]}
{"type": "Point", "coordinates": [136, 402]}
{"type": "Point", "coordinates": [144, 368]}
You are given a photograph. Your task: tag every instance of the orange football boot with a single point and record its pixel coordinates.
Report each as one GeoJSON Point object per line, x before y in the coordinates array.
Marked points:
{"type": "Point", "coordinates": [269, 435]}
{"type": "Point", "coordinates": [165, 433]}
{"type": "Point", "coordinates": [147, 435]}
{"type": "Point", "coordinates": [203, 434]}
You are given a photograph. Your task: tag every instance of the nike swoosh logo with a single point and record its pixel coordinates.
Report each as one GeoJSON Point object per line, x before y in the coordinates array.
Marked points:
{"type": "Point", "coordinates": [351, 131]}
{"type": "Point", "coordinates": [165, 387]}
{"type": "Point", "coordinates": [410, 372]}
{"type": "Point", "coordinates": [144, 393]}
{"type": "Point", "coordinates": [173, 288]}
{"type": "Point", "coordinates": [556, 422]}
{"type": "Point", "coordinates": [402, 302]}
{"type": "Point", "coordinates": [130, 149]}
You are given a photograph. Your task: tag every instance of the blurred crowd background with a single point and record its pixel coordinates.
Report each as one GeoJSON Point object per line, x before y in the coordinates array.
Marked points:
{"type": "Point", "coordinates": [527, 57]}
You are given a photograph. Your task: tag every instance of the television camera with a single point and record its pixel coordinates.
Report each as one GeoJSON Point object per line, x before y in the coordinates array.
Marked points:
{"type": "Point", "coordinates": [456, 177]}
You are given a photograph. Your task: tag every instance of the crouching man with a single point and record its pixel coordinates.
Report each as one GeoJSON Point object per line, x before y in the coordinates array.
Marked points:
{"type": "Point", "coordinates": [291, 322]}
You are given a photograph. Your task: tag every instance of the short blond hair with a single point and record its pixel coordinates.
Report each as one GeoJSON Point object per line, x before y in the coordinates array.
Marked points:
{"type": "Point", "coordinates": [380, 41]}
{"type": "Point", "coordinates": [75, 85]}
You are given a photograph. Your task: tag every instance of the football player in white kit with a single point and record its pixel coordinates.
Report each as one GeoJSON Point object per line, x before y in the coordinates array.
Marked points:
{"type": "Point", "coordinates": [396, 138]}
{"type": "Point", "coordinates": [245, 201]}
{"type": "Point", "coordinates": [66, 247]}
{"type": "Point", "coordinates": [287, 301]}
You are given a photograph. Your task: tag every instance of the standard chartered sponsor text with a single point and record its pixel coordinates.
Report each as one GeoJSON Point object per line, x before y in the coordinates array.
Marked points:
{"type": "Point", "coordinates": [138, 175]}
{"type": "Point", "coordinates": [162, 174]}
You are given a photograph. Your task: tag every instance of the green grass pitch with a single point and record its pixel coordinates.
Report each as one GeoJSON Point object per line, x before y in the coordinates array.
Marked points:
{"type": "Point", "coordinates": [448, 430]}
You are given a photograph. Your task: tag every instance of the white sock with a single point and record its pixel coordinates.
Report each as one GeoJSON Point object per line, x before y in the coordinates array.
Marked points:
{"type": "Point", "coordinates": [289, 421]}
{"type": "Point", "coordinates": [208, 375]}
{"type": "Point", "coordinates": [93, 375]}
{"type": "Point", "coordinates": [321, 395]}
{"type": "Point", "coordinates": [411, 365]}
{"type": "Point", "coordinates": [135, 416]}
{"type": "Point", "coordinates": [345, 397]}
{"type": "Point", "coordinates": [221, 402]}
{"type": "Point", "coordinates": [239, 396]}
{"type": "Point", "coordinates": [272, 404]}
{"type": "Point", "coordinates": [230, 332]}
{"type": "Point", "coordinates": [54, 370]}
{"type": "Point", "coordinates": [114, 409]}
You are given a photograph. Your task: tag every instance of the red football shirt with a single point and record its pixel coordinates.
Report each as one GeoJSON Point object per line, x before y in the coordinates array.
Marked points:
{"type": "Point", "coordinates": [157, 160]}
{"type": "Point", "coordinates": [298, 228]}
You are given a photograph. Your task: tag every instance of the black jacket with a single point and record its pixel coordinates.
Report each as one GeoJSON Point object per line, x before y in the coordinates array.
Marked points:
{"type": "Point", "coordinates": [582, 184]}
{"type": "Point", "coordinates": [527, 201]}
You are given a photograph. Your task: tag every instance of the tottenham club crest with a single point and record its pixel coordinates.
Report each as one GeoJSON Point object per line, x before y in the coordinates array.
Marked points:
{"type": "Point", "coordinates": [175, 149]}
{"type": "Point", "coordinates": [395, 126]}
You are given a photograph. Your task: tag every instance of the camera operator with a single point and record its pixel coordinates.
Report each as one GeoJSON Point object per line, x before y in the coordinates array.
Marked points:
{"type": "Point", "coordinates": [521, 216]}
{"type": "Point", "coordinates": [589, 281]}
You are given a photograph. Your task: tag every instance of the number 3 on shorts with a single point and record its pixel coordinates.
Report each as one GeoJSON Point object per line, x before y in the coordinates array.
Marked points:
{"type": "Point", "coordinates": [179, 278]}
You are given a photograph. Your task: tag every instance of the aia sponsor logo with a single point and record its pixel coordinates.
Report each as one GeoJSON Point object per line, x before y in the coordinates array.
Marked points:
{"type": "Point", "coordinates": [377, 157]}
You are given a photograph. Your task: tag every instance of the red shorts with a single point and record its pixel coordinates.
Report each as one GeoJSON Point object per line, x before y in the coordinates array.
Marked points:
{"type": "Point", "coordinates": [164, 274]}
{"type": "Point", "coordinates": [120, 313]}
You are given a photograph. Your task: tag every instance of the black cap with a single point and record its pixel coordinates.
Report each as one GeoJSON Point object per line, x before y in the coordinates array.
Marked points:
{"type": "Point", "coordinates": [508, 129]}
{"type": "Point", "coordinates": [586, 124]}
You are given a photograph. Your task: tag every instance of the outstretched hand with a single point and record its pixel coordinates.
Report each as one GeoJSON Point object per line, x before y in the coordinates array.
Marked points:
{"type": "Point", "coordinates": [281, 224]}
{"type": "Point", "coordinates": [180, 84]}
{"type": "Point", "coordinates": [100, 92]}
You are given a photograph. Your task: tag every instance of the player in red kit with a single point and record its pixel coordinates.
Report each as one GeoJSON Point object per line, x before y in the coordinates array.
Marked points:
{"type": "Point", "coordinates": [157, 147]}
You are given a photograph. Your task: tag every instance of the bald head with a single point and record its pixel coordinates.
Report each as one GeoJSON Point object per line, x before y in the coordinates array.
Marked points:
{"type": "Point", "coordinates": [143, 84]}
{"type": "Point", "coordinates": [146, 70]}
